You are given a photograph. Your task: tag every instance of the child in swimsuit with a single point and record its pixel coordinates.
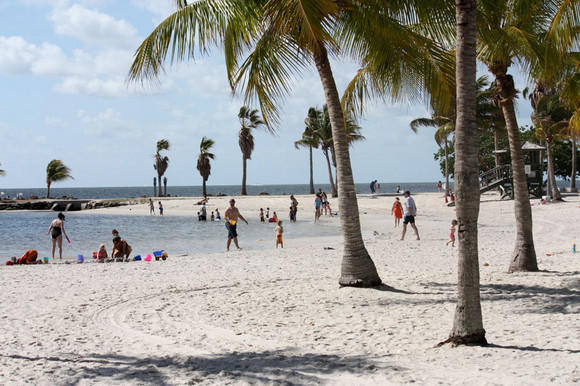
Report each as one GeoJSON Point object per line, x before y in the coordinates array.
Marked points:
{"type": "Point", "coordinates": [452, 233]}
{"type": "Point", "coordinates": [217, 215]}
{"type": "Point", "coordinates": [279, 231]}
{"type": "Point", "coordinates": [397, 211]}
{"type": "Point", "coordinates": [262, 218]}
{"type": "Point", "coordinates": [291, 214]}
{"type": "Point", "coordinates": [102, 255]}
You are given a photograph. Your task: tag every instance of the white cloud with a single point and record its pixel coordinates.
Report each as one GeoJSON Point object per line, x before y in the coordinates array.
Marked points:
{"type": "Point", "coordinates": [55, 122]}
{"type": "Point", "coordinates": [93, 27]}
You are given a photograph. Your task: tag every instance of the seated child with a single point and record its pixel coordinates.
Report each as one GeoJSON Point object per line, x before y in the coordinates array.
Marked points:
{"type": "Point", "coordinates": [279, 231]}
{"type": "Point", "coordinates": [102, 255]}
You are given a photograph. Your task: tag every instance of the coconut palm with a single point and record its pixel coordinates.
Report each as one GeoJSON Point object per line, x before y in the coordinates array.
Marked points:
{"type": "Point", "coordinates": [507, 32]}
{"type": "Point", "coordinates": [310, 141]}
{"type": "Point", "coordinates": [56, 171]}
{"type": "Point", "coordinates": [249, 120]}
{"type": "Point", "coordinates": [468, 322]}
{"type": "Point", "coordinates": [203, 161]}
{"type": "Point", "coordinates": [266, 43]}
{"type": "Point", "coordinates": [551, 119]}
{"type": "Point", "coordinates": [161, 162]}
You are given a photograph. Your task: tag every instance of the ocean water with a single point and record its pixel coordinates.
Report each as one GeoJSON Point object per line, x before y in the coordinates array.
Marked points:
{"type": "Point", "coordinates": [175, 234]}
{"type": "Point", "coordinates": [195, 191]}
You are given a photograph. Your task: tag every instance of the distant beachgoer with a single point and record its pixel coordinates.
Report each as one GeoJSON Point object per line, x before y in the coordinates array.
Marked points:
{"type": "Point", "coordinates": [378, 188]}
{"type": "Point", "coordinates": [397, 211]}
{"type": "Point", "coordinates": [151, 207]}
{"type": "Point", "coordinates": [217, 215]}
{"type": "Point", "coordinates": [115, 233]}
{"type": "Point", "coordinates": [203, 213]}
{"type": "Point", "coordinates": [398, 190]}
{"type": "Point", "coordinates": [317, 206]}
{"type": "Point", "coordinates": [324, 203]}
{"type": "Point", "coordinates": [291, 214]}
{"type": "Point", "coordinates": [439, 186]}
{"type": "Point", "coordinates": [160, 209]}
{"type": "Point", "coordinates": [198, 217]}
{"type": "Point", "coordinates": [372, 186]}
{"type": "Point", "coordinates": [452, 233]}
{"type": "Point", "coordinates": [293, 207]}
{"type": "Point", "coordinates": [212, 218]}
{"type": "Point", "coordinates": [231, 216]}
{"type": "Point", "coordinates": [267, 212]}
{"type": "Point", "coordinates": [121, 250]}
{"type": "Point", "coordinates": [56, 230]}
{"type": "Point", "coordinates": [274, 218]}
{"type": "Point", "coordinates": [262, 218]}
{"type": "Point", "coordinates": [409, 213]}
{"type": "Point", "coordinates": [102, 255]}
{"type": "Point", "coordinates": [279, 231]}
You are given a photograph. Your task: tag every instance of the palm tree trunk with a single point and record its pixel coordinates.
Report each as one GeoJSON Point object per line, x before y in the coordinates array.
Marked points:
{"type": "Point", "coordinates": [468, 323]}
{"type": "Point", "coordinates": [357, 267]}
{"type": "Point", "coordinates": [555, 192]}
{"type": "Point", "coordinates": [204, 192]}
{"type": "Point", "coordinates": [244, 170]}
{"type": "Point", "coordinates": [573, 173]}
{"type": "Point", "coordinates": [311, 171]}
{"type": "Point", "coordinates": [159, 186]}
{"type": "Point", "coordinates": [446, 168]}
{"type": "Point", "coordinates": [331, 179]}
{"type": "Point", "coordinates": [524, 255]}
{"type": "Point", "coordinates": [48, 189]}
{"type": "Point", "coordinates": [332, 153]}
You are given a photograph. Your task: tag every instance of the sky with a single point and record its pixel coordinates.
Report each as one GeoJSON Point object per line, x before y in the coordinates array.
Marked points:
{"type": "Point", "coordinates": [64, 95]}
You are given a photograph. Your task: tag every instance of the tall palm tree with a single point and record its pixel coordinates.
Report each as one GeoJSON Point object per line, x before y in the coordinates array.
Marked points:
{"type": "Point", "coordinates": [468, 322]}
{"type": "Point", "coordinates": [56, 171]}
{"type": "Point", "coordinates": [551, 119]}
{"type": "Point", "coordinates": [507, 30]}
{"type": "Point", "coordinates": [161, 162]}
{"type": "Point", "coordinates": [203, 161]}
{"type": "Point", "coordinates": [249, 120]}
{"type": "Point", "coordinates": [266, 43]}
{"type": "Point", "coordinates": [319, 124]}
{"type": "Point", "coordinates": [310, 141]}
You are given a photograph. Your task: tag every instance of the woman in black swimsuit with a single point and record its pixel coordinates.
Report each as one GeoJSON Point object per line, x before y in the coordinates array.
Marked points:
{"type": "Point", "coordinates": [56, 231]}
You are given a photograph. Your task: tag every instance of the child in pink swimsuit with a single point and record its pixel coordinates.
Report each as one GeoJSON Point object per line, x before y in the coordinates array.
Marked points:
{"type": "Point", "coordinates": [452, 233]}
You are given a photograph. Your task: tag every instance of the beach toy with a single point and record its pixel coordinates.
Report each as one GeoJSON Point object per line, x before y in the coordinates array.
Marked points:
{"type": "Point", "coordinates": [573, 247]}
{"type": "Point", "coordinates": [148, 257]}
{"type": "Point", "coordinates": [80, 259]}
{"type": "Point", "coordinates": [164, 255]}
{"type": "Point", "coordinates": [45, 259]}
{"type": "Point", "coordinates": [158, 254]}
{"type": "Point", "coordinates": [138, 258]}
{"type": "Point", "coordinates": [95, 255]}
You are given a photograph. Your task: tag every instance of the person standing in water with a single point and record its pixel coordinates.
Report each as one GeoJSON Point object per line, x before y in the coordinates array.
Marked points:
{"type": "Point", "coordinates": [409, 213]}
{"type": "Point", "coordinates": [160, 209]}
{"type": "Point", "coordinates": [56, 230]}
{"type": "Point", "coordinates": [231, 216]}
{"type": "Point", "coordinates": [151, 207]}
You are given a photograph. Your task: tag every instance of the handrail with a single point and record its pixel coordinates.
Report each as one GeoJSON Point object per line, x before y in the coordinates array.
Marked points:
{"type": "Point", "coordinates": [494, 175]}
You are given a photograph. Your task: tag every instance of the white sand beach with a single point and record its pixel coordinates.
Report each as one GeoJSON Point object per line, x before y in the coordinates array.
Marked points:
{"type": "Point", "coordinates": [279, 316]}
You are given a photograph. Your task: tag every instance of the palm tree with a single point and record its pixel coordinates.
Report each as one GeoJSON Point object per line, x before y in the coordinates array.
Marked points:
{"type": "Point", "coordinates": [267, 43]}
{"type": "Point", "coordinates": [161, 162]}
{"type": "Point", "coordinates": [319, 124]}
{"type": "Point", "coordinates": [550, 117]}
{"type": "Point", "coordinates": [2, 172]}
{"type": "Point", "coordinates": [310, 141]}
{"type": "Point", "coordinates": [56, 171]}
{"type": "Point", "coordinates": [203, 161]}
{"type": "Point", "coordinates": [468, 322]}
{"type": "Point", "coordinates": [249, 119]}
{"type": "Point", "coordinates": [506, 33]}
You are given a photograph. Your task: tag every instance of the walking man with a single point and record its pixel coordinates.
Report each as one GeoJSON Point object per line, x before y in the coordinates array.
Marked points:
{"type": "Point", "coordinates": [372, 186]}
{"type": "Point", "coordinates": [409, 213]}
{"type": "Point", "coordinates": [231, 216]}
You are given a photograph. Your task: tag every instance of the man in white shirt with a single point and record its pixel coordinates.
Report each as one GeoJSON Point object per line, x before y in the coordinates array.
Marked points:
{"type": "Point", "coordinates": [409, 213]}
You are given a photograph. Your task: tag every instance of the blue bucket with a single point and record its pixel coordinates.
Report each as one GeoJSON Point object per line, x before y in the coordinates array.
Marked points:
{"type": "Point", "coordinates": [138, 258]}
{"type": "Point", "coordinates": [80, 259]}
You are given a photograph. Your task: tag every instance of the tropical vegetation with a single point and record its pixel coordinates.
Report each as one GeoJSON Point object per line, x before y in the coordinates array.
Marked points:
{"type": "Point", "coordinates": [203, 161]}
{"type": "Point", "coordinates": [249, 120]}
{"type": "Point", "coordinates": [161, 162]}
{"type": "Point", "coordinates": [310, 141]}
{"type": "Point", "coordinates": [56, 171]}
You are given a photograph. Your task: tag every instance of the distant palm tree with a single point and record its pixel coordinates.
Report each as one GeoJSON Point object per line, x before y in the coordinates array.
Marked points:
{"type": "Point", "coordinates": [203, 161]}
{"type": "Point", "coordinates": [310, 141]}
{"type": "Point", "coordinates": [2, 172]}
{"type": "Point", "coordinates": [56, 171]}
{"type": "Point", "coordinates": [161, 163]}
{"type": "Point", "coordinates": [249, 119]}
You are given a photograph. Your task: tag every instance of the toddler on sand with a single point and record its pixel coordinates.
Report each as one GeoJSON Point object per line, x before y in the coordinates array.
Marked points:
{"type": "Point", "coordinates": [279, 231]}
{"type": "Point", "coordinates": [452, 233]}
{"type": "Point", "coordinates": [102, 255]}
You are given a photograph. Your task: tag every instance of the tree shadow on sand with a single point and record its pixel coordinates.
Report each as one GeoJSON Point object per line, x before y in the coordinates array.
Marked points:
{"type": "Point", "coordinates": [279, 367]}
